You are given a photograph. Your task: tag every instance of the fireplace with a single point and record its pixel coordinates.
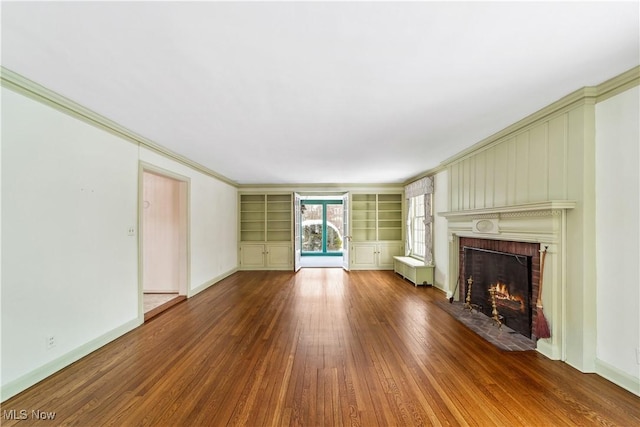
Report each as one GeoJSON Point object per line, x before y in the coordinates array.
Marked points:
{"type": "Point", "coordinates": [508, 275]}
{"type": "Point", "coordinates": [513, 268]}
{"type": "Point", "coordinates": [522, 230]}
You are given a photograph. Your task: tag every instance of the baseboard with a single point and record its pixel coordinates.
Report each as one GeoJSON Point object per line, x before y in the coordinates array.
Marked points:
{"type": "Point", "coordinates": [24, 382]}
{"type": "Point", "coordinates": [618, 377]}
{"type": "Point", "coordinates": [440, 287]}
{"type": "Point", "coordinates": [208, 283]}
{"type": "Point", "coordinates": [546, 348]}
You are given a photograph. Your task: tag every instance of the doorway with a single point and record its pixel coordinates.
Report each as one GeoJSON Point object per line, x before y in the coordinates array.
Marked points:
{"type": "Point", "coordinates": [163, 241]}
{"type": "Point", "coordinates": [321, 231]}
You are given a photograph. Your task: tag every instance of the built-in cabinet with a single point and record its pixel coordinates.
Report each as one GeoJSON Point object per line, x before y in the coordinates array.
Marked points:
{"type": "Point", "coordinates": [376, 230]}
{"type": "Point", "coordinates": [276, 256]}
{"type": "Point", "coordinates": [374, 256]}
{"type": "Point", "coordinates": [266, 231]}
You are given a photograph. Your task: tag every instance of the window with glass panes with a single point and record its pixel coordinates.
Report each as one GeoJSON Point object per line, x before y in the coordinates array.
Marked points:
{"type": "Point", "coordinates": [417, 226]}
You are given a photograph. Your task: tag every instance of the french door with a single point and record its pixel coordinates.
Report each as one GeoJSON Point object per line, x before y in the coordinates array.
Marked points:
{"type": "Point", "coordinates": [297, 227]}
{"type": "Point", "coordinates": [347, 236]}
{"type": "Point", "coordinates": [322, 227]}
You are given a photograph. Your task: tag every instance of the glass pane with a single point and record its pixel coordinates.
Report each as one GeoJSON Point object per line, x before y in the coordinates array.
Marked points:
{"type": "Point", "coordinates": [335, 227]}
{"type": "Point", "coordinates": [418, 226]}
{"type": "Point", "coordinates": [418, 203]}
{"type": "Point", "coordinates": [312, 228]}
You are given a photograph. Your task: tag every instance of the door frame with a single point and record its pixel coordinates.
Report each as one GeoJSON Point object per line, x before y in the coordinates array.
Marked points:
{"type": "Point", "coordinates": [299, 197]}
{"type": "Point", "coordinates": [346, 247]}
{"type": "Point", "coordinates": [297, 238]}
{"type": "Point", "coordinates": [185, 226]}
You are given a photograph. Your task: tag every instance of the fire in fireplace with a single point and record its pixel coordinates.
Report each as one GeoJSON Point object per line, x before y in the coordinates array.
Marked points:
{"type": "Point", "coordinates": [510, 276]}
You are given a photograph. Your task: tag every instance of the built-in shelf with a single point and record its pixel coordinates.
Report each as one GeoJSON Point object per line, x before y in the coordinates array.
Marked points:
{"type": "Point", "coordinates": [266, 231]}
{"type": "Point", "coordinates": [376, 217]}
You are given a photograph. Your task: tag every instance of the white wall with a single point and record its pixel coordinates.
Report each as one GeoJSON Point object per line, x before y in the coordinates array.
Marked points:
{"type": "Point", "coordinates": [69, 267]}
{"type": "Point", "coordinates": [440, 236]}
{"type": "Point", "coordinates": [618, 232]}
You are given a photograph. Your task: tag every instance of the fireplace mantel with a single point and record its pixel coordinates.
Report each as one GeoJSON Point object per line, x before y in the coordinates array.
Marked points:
{"type": "Point", "coordinates": [549, 206]}
{"type": "Point", "coordinates": [543, 223]}
{"type": "Point", "coordinates": [531, 222]}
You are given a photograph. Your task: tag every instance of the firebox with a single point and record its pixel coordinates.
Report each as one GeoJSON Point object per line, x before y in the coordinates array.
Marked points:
{"type": "Point", "coordinates": [511, 277]}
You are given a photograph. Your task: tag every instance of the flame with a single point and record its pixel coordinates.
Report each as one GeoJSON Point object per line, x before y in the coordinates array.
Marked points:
{"type": "Point", "coordinates": [503, 295]}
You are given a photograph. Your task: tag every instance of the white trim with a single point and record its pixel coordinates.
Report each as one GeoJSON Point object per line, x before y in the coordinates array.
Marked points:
{"type": "Point", "coordinates": [31, 378]}
{"type": "Point", "coordinates": [616, 376]}
{"type": "Point", "coordinates": [211, 282]}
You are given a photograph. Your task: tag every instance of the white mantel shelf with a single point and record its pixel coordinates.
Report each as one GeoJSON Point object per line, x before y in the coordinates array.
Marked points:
{"type": "Point", "coordinates": [552, 205]}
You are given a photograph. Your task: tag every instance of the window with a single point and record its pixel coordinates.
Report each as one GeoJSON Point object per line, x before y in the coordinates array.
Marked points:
{"type": "Point", "coordinates": [418, 226]}
{"type": "Point", "coordinates": [419, 219]}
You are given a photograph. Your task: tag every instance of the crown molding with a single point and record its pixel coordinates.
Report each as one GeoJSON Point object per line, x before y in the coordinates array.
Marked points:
{"type": "Point", "coordinates": [578, 97]}
{"type": "Point", "coordinates": [584, 96]}
{"type": "Point", "coordinates": [618, 84]}
{"type": "Point", "coordinates": [334, 188]}
{"type": "Point", "coordinates": [428, 172]}
{"type": "Point", "coordinates": [33, 90]}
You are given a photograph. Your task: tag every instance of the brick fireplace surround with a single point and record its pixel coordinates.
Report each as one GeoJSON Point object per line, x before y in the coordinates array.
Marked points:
{"type": "Point", "coordinates": [526, 230]}
{"type": "Point", "coordinates": [517, 248]}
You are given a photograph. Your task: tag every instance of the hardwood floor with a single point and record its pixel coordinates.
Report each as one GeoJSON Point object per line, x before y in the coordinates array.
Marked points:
{"type": "Point", "coordinates": [320, 347]}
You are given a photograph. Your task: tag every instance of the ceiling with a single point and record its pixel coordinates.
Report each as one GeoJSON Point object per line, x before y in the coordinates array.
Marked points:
{"type": "Point", "coordinates": [313, 92]}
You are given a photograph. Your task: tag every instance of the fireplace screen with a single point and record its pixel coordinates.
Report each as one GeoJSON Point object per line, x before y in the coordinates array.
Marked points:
{"type": "Point", "coordinates": [510, 274]}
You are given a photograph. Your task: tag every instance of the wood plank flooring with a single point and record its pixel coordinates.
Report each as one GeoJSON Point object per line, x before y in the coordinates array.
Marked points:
{"type": "Point", "coordinates": [322, 347]}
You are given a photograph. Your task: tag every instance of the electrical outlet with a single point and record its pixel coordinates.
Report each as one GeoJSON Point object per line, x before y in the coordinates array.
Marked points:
{"type": "Point", "coordinates": [638, 355]}
{"type": "Point", "coordinates": [132, 231]}
{"type": "Point", "coordinates": [51, 342]}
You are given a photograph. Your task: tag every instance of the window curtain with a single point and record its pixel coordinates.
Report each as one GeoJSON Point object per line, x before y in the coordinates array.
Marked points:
{"type": "Point", "coordinates": [416, 188]}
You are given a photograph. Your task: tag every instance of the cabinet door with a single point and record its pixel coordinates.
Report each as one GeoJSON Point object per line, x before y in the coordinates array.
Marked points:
{"type": "Point", "coordinates": [363, 255]}
{"type": "Point", "coordinates": [252, 256]}
{"type": "Point", "coordinates": [279, 256]}
{"type": "Point", "coordinates": [386, 252]}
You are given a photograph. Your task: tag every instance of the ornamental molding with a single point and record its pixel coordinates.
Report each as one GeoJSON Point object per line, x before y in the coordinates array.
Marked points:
{"type": "Point", "coordinates": [539, 209]}
{"type": "Point", "coordinates": [485, 226]}
{"type": "Point", "coordinates": [521, 214]}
